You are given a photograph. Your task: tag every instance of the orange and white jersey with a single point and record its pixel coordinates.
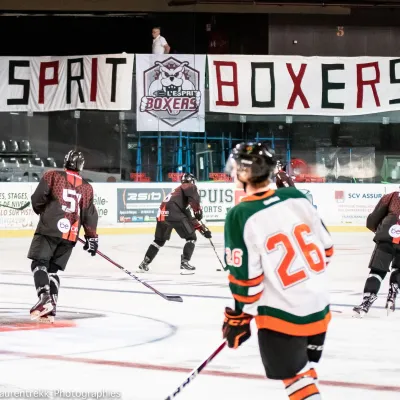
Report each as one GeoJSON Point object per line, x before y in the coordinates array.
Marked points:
{"type": "Point", "coordinates": [277, 250]}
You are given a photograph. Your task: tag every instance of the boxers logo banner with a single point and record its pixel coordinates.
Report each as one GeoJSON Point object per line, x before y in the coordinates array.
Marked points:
{"type": "Point", "coordinates": [42, 84]}
{"type": "Point", "coordinates": [170, 92]}
{"type": "Point", "coordinates": [294, 85]}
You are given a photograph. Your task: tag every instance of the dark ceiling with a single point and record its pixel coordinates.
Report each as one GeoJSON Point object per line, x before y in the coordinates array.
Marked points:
{"type": "Point", "coordinates": [360, 3]}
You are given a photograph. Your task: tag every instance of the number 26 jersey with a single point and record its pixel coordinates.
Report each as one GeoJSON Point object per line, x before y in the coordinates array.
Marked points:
{"type": "Point", "coordinates": [64, 201]}
{"type": "Point", "coordinates": [277, 249]}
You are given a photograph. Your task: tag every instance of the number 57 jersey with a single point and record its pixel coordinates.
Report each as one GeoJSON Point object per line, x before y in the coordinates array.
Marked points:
{"type": "Point", "coordinates": [277, 250]}
{"type": "Point", "coordinates": [64, 202]}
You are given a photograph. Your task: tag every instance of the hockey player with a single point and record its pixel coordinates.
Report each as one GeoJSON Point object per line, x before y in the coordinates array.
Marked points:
{"type": "Point", "coordinates": [64, 202]}
{"type": "Point", "coordinates": [282, 178]}
{"type": "Point", "coordinates": [175, 214]}
{"type": "Point", "coordinates": [277, 250]}
{"type": "Point", "coordinates": [384, 221]}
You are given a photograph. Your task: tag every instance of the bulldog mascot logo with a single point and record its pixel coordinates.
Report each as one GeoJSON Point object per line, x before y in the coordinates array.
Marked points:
{"type": "Point", "coordinates": [171, 91]}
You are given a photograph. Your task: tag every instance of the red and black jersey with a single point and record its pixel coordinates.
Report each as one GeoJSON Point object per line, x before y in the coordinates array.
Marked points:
{"type": "Point", "coordinates": [384, 220]}
{"type": "Point", "coordinates": [173, 207]}
{"type": "Point", "coordinates": [64, 202]}
{"type": "Point", "coordinates": [283, 180]}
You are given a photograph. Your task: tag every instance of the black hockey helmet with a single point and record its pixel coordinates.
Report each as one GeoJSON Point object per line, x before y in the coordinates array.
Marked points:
{"type": "Point", "coordinates": [74, 161]}
{"type": "Point", "coordinates": [254, 162]}
{"type": "Point", "coordinates": [188, 178]}
{"type": "Point", "coordinates": [280, 166]}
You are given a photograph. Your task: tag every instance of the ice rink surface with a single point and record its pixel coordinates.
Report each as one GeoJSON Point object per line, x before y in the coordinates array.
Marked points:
{"type": "Point", "coordinates": [115, 335]}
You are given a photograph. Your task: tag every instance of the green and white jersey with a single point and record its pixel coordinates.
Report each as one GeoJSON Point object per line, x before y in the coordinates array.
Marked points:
{"type": "Point", "coordinates": [277, 249]}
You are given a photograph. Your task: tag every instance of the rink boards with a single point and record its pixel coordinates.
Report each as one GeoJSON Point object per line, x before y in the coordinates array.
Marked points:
{"type": "Point", "coordinates": [131, 208]}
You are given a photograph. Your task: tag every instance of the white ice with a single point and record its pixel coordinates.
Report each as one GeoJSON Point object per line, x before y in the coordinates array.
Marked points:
{"type": "Point", "coordinates": [135, 341]}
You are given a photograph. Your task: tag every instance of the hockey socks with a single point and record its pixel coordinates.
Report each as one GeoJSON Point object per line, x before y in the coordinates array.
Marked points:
{"type": "Point", "coordinates": [54, 287]}
{"type": "Point", "coordinates": [41, 278]}
{"type": "Point", "coordinates": [152, 251]}
{"type": "Point", "coordinates": [395, 277]}
{"type": "Point", "coordinates": [188, 250]}
{"type": "Point", "coordinates": [373, 283]}
{"type": "Point", "coordinates": [303, 385]}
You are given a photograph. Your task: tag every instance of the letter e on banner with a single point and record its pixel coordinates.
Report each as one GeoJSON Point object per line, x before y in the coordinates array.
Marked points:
{"type": "Point", "coordinates": [226, 65]}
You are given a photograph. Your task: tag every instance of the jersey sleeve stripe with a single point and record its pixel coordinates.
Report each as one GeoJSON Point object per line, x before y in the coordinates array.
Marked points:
{"type": "Point", "coordinates": [247, 299]}
{"type": "Point", "coordinates": [329, 252]}
{"type": "Point", "coordinates": [246, 282]}
{"type": "Point", "coordinates": [289, 328]}
{"type": "Point", "coordinates": [246, 290]}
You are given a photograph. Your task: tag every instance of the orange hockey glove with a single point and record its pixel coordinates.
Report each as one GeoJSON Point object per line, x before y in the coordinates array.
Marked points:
{"type": "Point", "coordinates": [236, 328]}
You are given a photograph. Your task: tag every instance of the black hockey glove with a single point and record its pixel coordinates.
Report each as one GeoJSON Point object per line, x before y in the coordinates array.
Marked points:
{"type": "Point", "coordinates": [198, 215]}
{"type": "Point", "coordinates": [202, 229]}
{"type": "Point", "coordinates": [91, 245]}
{"type": "Point", "coordinates": [205, 231]}
{"type": "Point", "coordinates": [236, 328]}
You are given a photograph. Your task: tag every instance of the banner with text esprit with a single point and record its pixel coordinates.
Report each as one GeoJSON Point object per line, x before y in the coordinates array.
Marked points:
{"type": "Point", "coordinates": [42, 84]}
{"type": "Point", "coordinates": [294, 85]}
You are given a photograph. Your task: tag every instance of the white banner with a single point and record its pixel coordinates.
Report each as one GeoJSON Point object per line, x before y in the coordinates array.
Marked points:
{"type": "Point", "coordinates": [294, 85]}
{"type": "Point", "coordinates": [216, 199]}
{"type": "Point", "coordinates": [170, 92]}
{"type": "Point", "coordinates": [344, 204]}
{"type": "Point", "coordinates": [41, 84]}
{"type": "Point", "coordinates": [16, 195]}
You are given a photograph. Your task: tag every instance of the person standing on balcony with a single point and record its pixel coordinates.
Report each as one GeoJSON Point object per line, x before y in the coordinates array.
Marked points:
{"type": "Point", "coordinates": [160, 45]}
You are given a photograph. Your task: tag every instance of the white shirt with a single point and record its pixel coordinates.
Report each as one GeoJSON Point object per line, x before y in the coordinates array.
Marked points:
{"type": "Point", "coordinates": [158, 45]}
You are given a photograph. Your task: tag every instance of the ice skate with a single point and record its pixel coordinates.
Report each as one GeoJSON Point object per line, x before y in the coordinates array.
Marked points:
{"type": "Point", "coordinates": [43, 307]}
{"type": "Point", "coordinates": [363, 308]}
{"type": "Point", "coordinates": [391, 299]}
{"type": "Point", "coordinates": [144, 265]}
{"type": "Point", "coordinates": [50, 317]}
{"type": "Point", "coordinates": [186, 268]}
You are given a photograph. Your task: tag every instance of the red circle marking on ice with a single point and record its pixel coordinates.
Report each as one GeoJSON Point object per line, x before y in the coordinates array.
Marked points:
{"type": "Point", "coordinates": [30, 326]}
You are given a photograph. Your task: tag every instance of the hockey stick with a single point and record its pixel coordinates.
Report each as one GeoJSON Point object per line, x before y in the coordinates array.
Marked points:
{"type": "Point", "coordinates": [215, 250]}
{"type": "Point", "coordinates": [196, 371]}
{"type": "Point", "coordinates": [164, 296]}
{"type": "Point", "coordinates": [17, 208]}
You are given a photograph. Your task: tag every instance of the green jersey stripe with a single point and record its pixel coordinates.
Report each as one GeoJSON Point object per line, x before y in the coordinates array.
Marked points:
{"type": "Point", "coordinates": [295, 319]}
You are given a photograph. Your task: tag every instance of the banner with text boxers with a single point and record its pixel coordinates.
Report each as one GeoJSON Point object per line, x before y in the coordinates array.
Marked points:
{"type": "Point", "coordinates": [170, 92]}
{"type": "Point", "coordinates": [294, 85]}
{"type": "Point", "coordinates": [42, 84]}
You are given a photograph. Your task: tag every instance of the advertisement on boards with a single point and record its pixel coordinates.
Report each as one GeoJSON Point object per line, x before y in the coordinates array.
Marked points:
{"type": "Point", "coordinates": [136, 204]}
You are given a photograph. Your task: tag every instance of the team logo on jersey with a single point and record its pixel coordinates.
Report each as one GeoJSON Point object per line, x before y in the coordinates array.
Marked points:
{"type": "Point", "coordinates": [171, 91]}
{"type": "Point", "coordinates": [63, 225]}
{"type": "Point", "coordinates": [394, 231]}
